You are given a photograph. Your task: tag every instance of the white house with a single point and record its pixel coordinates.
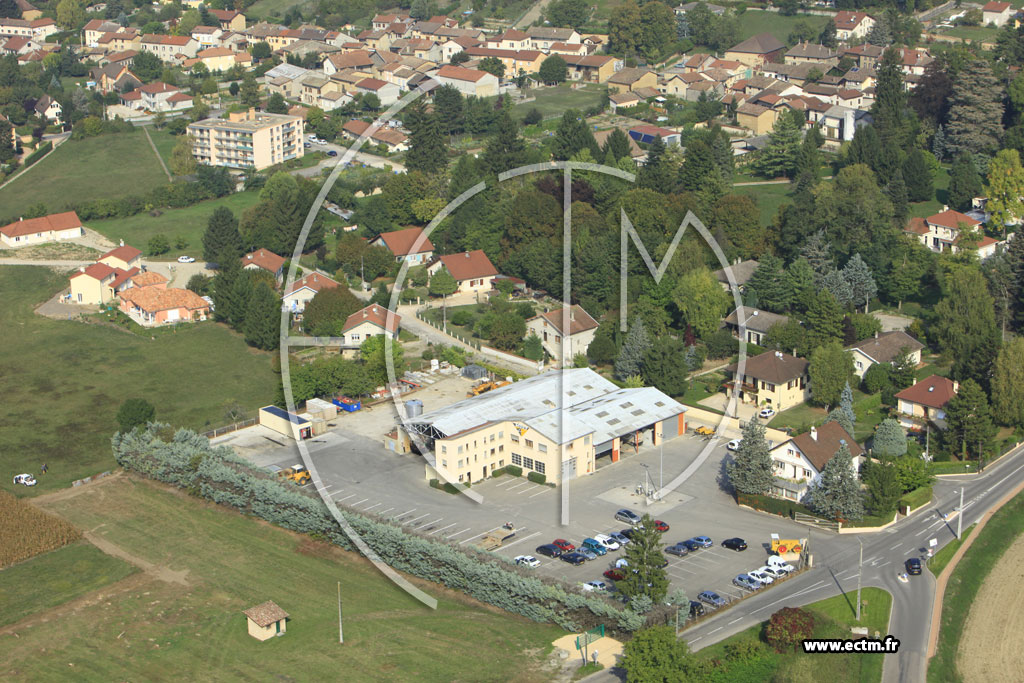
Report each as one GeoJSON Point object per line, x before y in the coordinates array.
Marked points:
{"type": "Point", "coordinates": [925, 402]}
{"type": "Point", "coordinates": [410, 245]}
{"type": "Point", "coordinates": [467, 81]}
{"type": "Point", "coordinates": [797, 463]}
{"type": "Point", "coordinates": [303, 290]}
{"type": "Point", "coordinates": [371, 321]}
{"type": "Point", "coordinates": [472, 270]}
{"type": "Point", "coordinates": [884, 347]}
{"type": "Point", "coordinates": [997, 13]}
{"type": "Point", "coordinates": [550, 327]}
{"type": "Point", "coordinates": [52, 228]}
{"type": "Point", "coordinates": [852, 25]}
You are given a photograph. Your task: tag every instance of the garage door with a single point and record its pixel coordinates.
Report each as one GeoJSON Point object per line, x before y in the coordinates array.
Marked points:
{"type": "Point", "coordinates": [569, 469]}
{"type": "Point", "coordinates": [172, 315]}
{"type": "Point", "coordinates": [603, 448]}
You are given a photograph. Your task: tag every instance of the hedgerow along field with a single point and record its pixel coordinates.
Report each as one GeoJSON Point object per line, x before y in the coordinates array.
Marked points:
{"type": "Point", "coordinates": [28, 531]}
{"type": "Point", "coordinates": [235, 562]}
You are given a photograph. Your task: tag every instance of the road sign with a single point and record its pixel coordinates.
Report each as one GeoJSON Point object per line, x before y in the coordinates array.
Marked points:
{"type": "Point", "coordinates": [932, 542]}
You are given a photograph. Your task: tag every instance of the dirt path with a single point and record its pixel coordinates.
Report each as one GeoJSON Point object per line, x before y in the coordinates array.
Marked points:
{"type": "Point", "coordinates": [992, 645]}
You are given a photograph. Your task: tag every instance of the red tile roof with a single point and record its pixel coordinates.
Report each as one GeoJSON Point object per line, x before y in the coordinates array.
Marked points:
{"type": "Point", "coordinates": [122, 276]}
{"type": "Point", "coordinates": [847, 21]}
{"type": "Point", "coordinates": [153, 299]}
{"type": "Point", "coordinates": [314, 281]}
{"type": "Point", "coordinates": [459, 73]}
{"type": "Point", "coordinates": [377, 315]}
{"type": "Point", "coordinates": [56, 222]}
{"type": "Point", "coordinates": [469, 265]}
{"type": "Point", "coordinates": [997, 7]}
{"type": "Point", "coordinates": [952, 219]}
{"type": "Point", "coordinates": [124, 252]}
{"type": "Point", "coordinates": [579, 320]}
{"type": "Point", "coordinates": [406, 242]}
{"type": "Point", "coordinates": [917, 226]}
{"type": "Point", "coordinates": [148, 279]}
{"type": "Point", "coordinates": [934, 392]}
{"type": "Point", "coordinates": [267, 260]}
{"type": "Point", "coordinates": [266, 614]}
{"type": "Point", "coordinates": [825, 442]}
{"type": "Point", "coordinates": [371, 84]}
{"type": "Point", "coordinates": [97, 271]}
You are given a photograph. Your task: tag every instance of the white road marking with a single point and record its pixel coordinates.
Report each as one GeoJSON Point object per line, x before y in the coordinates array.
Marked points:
{"type": "Point", "coordinates": [479, 535]}
{"type": "Point", "coordinates": [383, 511]}
{"type": "Point", "coordinates": [715, 631]}
{"type": "Point", "coordinates": [540, 492]}
{"type": "Point", "coordinates": [441, 529]}
{"type": "Point", "coordinates": [372, 506]}
{"type": "Point", "coordinates": [884, 563]}
{"type": "Point", "coordinates": [535, 486]}
{"type": "Point", "coordinates": [696, 639]}
{"type": "Point", "coordinates": [407, 512]}
{"type": "Point", "coordinates": [410, 522]}
{"type": "Point", "coordinates": [458, 533]}
{"type": "Point", "coordinates": [342, 500]}
{"type": "Point", "coordinates": [735, 620]}
{"type": "Point", "coordinates": [922, 532]}
{"type": "Point", "coordinates": [524, 538]}
{"type": "Point", "coordinates": [895, 546]}
{"type": "Point", "coordinates": [522, 483]}
{"type": "Point", "coordinates": [429, 523]}
{"type": "Point", "coordinates": [360, 502]}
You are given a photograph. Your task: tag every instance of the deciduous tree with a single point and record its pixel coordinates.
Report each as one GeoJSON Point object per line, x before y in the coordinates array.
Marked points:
{"type": "Point", "coordinates": [701, 301]}
{"type": "Point", "coordinates": [965, 324]}
{"type": "Point", "coordinates": [134, 412]}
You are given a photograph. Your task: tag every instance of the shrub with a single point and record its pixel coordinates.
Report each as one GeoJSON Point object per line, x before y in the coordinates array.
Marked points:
{"type": "Point", "coordinates": [134, 412]}
{"type": "Point", "coordinates": [536, 477]}
{"type": "Point", "coordinates": [776, 506]}
{"type": "Point", "coordinates": [462, 317]}
{"type": "Point", "coordinates": [514, 470]}
{"type": "Point", "coordinates": [721, 344]}
{"type": "Point", "coordinates": [40, 152]}
{"type": "Point", "coordinates": [916, 498]}
{"type": "Point", "coordinates": [787, 627]}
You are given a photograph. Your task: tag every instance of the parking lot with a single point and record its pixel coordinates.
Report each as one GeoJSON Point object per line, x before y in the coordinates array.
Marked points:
{"type": "Point", "coordinates": [360, 474]}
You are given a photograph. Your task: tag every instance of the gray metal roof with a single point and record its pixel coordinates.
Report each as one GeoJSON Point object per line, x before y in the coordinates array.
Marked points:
{"type": "Point", "coordinates": [591, 405]}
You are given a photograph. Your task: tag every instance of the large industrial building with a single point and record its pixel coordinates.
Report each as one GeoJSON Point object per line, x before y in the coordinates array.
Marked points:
{"type": "Point", "coordinates": [556, 424]}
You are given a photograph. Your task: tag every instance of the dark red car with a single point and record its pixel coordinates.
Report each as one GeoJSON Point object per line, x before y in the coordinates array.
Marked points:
{"type": "Point", "coordinates": [614, 575]}
{"type": "Point", "coordinates": [660, 526]}
{"type": "Point", "coordinates": [565, 545]}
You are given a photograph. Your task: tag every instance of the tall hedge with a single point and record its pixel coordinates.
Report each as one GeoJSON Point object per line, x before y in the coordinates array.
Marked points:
{"type": "Point", "coordinates": [188, 461]}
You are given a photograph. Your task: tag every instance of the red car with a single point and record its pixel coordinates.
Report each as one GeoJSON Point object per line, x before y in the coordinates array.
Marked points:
{"type": "Point", "coordinates": [614, 575]}
{"type": "Point", "coordinates": [565, 545]}
{"type": "Point", "coordinates": [660, 526]}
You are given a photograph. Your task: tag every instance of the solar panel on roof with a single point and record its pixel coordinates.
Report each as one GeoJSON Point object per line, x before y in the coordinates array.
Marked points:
{"type": "Point", "coordinates": [638, 411]}
{"type": "Point", "coordinates": [625, 405]}
{"type": "Point", "coordinates": [603, 413]}
{"type": "Point", "coordinates": [613, 421]}
{"type": "Point", "coordinates": [660, 404]}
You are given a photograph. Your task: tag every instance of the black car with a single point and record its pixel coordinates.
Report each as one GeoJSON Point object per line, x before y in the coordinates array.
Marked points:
{"type": "Point", "coordinates": [914, 566]}
{"type": "Point", "coordinates": [332, 153]}
{"type": "Point", "coordinates": [551, 550]}
{"type": "Point", "coordinates": [573, 558]}
{"type": "Point", "coordinates": [696, 609]}
{"type": "Point", "coordinates": [628, 533]}
{"type": "Point", "coordinates": [691, 545]}
{"type": "Point", "coordinates": [734, 544]}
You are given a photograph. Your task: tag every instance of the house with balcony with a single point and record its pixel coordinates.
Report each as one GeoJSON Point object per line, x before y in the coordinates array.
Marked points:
{"type": "Point", "coordinates": [303, 290]}
{"type": "Point", "coordinates": [941, 231]}
{"type": "Point", "coordinates": [798, 463]}
{"type": "Point", "coordinates": [924, 403]}
{"type": "Point", "coordinates": [756, 323]}
{"type": "Point", "coordinates": [884, 347]}
{"type": "Point", "coordinates": [773, 379]}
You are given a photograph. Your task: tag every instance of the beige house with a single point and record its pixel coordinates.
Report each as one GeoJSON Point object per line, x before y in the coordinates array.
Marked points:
{"type": "Point", "coordinates": [550, 327]}
{"type": "Point", "coordinates": [467, 81]}
{"type": "Point", "coordinates": [590, 68]}
{"type": "Point", "coordinates": [248, 139]}
{"type": "Point", "coordinates": [757, 50]}
{"type": "Point", "coordinates": [755, 321]}
{"type": "Point", "coordinates": [756, 118]}
{"type": "Point", "coordinates": [632, 78]}
{"type": "Point", "coordinates": [303, 290]}
{"type": "Point", "coordinates": [153, 306]}
{"type": "Point", "coordinates": [472, 270]}
{"type": "Point", "coordinates": [941, 231]}
{"type": "Point", "coordinates": [229, 19]}
{"type": "Point", "coordinates": [772, 379]}
{"type": "Point", "coordinates": [851, 26]}
{"type": "Point", "coordinates": [925, 402]}
{"type": "Point", "coordinates": [266, 621]}
{"type": "Point", "coordinates": [410, 245]}
{"type": "Point", "coordinates": [997, 13]}
{"type": "Point", "coordinates": [555, 424]}
{"type": "Point", "coordinates": [884, 347]}
{"type": "Point", "coordinates": [263, 259]}
{"type": "Point", "coordinates": [94, 284]}
{"type": "Point", "coordinates": [372, 321]}
{"type": "Point", "coordinates": [797, 463]}
{"type": "Point", "coordinates": [124, 257]}
{"type": "Point", "coordinates": [53, 228]}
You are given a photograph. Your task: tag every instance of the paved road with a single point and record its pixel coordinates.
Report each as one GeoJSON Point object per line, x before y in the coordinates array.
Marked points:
{"type": "Point", "coordinates": [361, 157]}
{"type": "Point", "coordinates": [835, 569]}
{"type": "Point", "coordinates": [33, 262]}
{"type": "Point", "coordinates": [531, 15]}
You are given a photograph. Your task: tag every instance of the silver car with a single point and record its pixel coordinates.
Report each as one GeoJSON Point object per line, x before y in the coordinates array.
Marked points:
{"type": "Point", "coordinates": [677, 549]}
{"type": "Point", "coordinates": [620, 537]}
{"type": "Point", "coordinates": [627, 516]}
{"type": "Point", "coordinates": [587, 553]}
{"type": "Point", "coordinates": [746, 582]}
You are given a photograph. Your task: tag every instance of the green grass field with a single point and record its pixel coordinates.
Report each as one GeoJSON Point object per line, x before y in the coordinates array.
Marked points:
{"type": "Point", "coordinates": [755, 21]}
{"type": "Point", "coordinates": [868, 409]}
{"type": "Point", "coordinates": [62, 382]}
{"type": "Point", "coordinates": [939, 561]}
{"type": "Point", "coordinates": [552, 102]}
{"type": "Point", "coordinates": [768, 197]}
{"type": "Point", "coordinates": [108, 166]}
{"type": "Point", "coordinates": [833, 619]}
{"type": "Point", "coordinates": [267, 8]}
{"type": "Point", "coordinates": [164, 142]}
{"type": "Point", "coordinates": [991, 542]}
{"type": "Point", "coordinates": [233, 563]}
{"type": "Point", "coordinates": [189, 223]}
{"type": "Point", "coordinates": [52, 579]}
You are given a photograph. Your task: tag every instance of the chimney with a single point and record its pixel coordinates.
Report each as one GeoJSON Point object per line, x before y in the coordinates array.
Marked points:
{"type": "Point", "coordinates": [467, 254]}
{"type": "Point", "coordinates": [945, 207]}
{"type": "Point", "coordinates": [931, 388]}
{"type": "Point", "coordinates": [814, 433]}
{"type": "Point", "coordinates": [81, 269]}
{"type": "Point", "coordinates": [121, 242]}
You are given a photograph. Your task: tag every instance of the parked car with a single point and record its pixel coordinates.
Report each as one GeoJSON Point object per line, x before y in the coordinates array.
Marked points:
{"type": "Point", "coordinates": [614, 575]}
{"type": "Point", "coordinates": [660, 526]}
{"type": "Point", "coordinates": [311, 138]}
{"type": "Point", "coordinates": [573, 558]}
{"type": "Point", "coordinates": [563, 544]}
{"type": "Point", "coordinates": [186, 259]}
{"type": "Point", "coordinates": [762, 576]}
{"type": "Point", "coordinates": [628, 533]}
{"type": "Point", "coordinates": [594, 546]}
{"type": "Point", "coordinates": [736, 544]}
{"type": "Point", "coordinates": [587, 553]}
{"type": "Point", "coordinates": [704, 541]}
{"type": "Point", "coordinates": [594, 586]}
{"type": "Point", "coordinates": [766, 413]}
{"type": "Point", "coordinates": [627, 516]}
{"type": "Point", "coordinates": [914, 566]}
{"type": "Point", "coordinates": [733, 445]}
{"type": "Point", "coordinates": [621, 563]}
{"type": "Point", "coordinates": [692, 545]}
{"type": "Point", "coordinates": [24, 479]}
{"type": "Point", "coordinates": [607, 542]}
{"type": "Point", "coordinates": [773, 572]}
{"type": "Point", "coordinates": [711, 598]}
{"type": "Point", "coordinates": [306, 145]}
{"type": "Point", "coordinates": [780, 565]}
{"type": "Point", "coordinates": [550, 550]}
{"type": "Point", "coordinates": [620, 538]}
{"type": "Point", "coordinates": [677, 549]}
{"type": "Point", "coordinates": [527, 561]}
{"type": "Point", "coordinates": [746, 582]}
{"type": "Point", "coordinates": [332, 153]}
{"type": "Point", "coordinates": [696, 609]}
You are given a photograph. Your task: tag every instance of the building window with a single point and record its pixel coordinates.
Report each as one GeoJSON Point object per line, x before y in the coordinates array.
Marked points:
{"type": "Point", "coordinates": [543, 447]}
{"type": "Point", "coordinates": [586, 439]}
{"type": "Point", "coordinates": [529, 444]}
{"type": "Point", "coordinates": [492, 438]}
{"type": "Point", "coordinates": [515, 438]}
{"type": "Point", "coordinates": [460, 463]}
{"type": "Point", "coordinates": [807, 473]}
{"type": "Point", "coordinates": [492, 451]}
{"type": "Point", "coordinates": [539, 467]}
{"type": "Point", "coordinates": [517, 459]}
{"type": "Point", "coordinates": [444, 450]}
{"type": "Point", "coordinates": [528, 463]}
{"type": "Point", "coordinates": [460, 450]}
{"type": "Point", "coordinates": [501, 448]}
{"type": "Point", "coordinates": [444, 464]}
{"type": "Point", "coordinates": [460, 477]}
{"type": "Point", "coordinates": [501, 463]}
{"type": "Point", "coordinates": [501, 435]}
{"type": "Point", "coordinates": [571, 444]}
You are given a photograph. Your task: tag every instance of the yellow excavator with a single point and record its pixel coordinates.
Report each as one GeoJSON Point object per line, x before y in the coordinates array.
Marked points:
{"type": "Point", "coordinates": [296, 473]}
{"type": "Point", "coordinates": [484, 387]}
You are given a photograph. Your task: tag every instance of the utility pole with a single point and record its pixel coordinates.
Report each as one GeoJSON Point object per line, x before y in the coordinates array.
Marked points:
{"type": "Point", "coordinates": [341, 635]}
{"type": "Point", "coordinates": [960, 516]}
{"type": "Point", "coordinates": [661, 466]}
{"type": "Point", "coordinates": [362, 275]}
{"type": "Point", "coordinates": [860, 569]}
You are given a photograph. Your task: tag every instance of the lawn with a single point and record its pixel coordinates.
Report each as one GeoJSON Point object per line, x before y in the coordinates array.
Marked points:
{"type": "Point", "coordinates": [233, 563]}
{"type": "Point", "coordinates": [980, 34]}
{"type": "Point", "coordinates": [966, 580]}
{"type": "Point", "coordinates": [271, 8]}
{"type": "Point", "coordinates": [939, 561]}
{"type": "Point", "coordinates": [833, 619]}
{"type": "Point", "coordinates": [62, 382]}
{"type": "Point", "coordinates": [164, 142]}
{"type": "Point", "coordinates": [754, 21]}
{"type": "Point", "coordinates": [52, 579]}
{"type": "Point", "coordinates": [552, 102]}
{"type": "Point", "coordinates": [189, 223]}
{"type": "Point", "coordinates": [768, 197]}
{"type": "Point", "coordinates": [868, 409]}
{"type": "Point", "coordinates": [934, 205]}
{"type": "Point", "coordinates": [108, 166]}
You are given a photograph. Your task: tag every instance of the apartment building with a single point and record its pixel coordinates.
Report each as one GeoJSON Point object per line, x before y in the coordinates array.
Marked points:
{"type": "Point", "coordinates": [248, 139]}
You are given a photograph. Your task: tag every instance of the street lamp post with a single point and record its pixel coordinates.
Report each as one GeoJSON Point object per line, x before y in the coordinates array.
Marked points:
{"type": "Point", "coordinates": [860, 568]}
{"type": "Point", "coordinates": [960, 516]}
